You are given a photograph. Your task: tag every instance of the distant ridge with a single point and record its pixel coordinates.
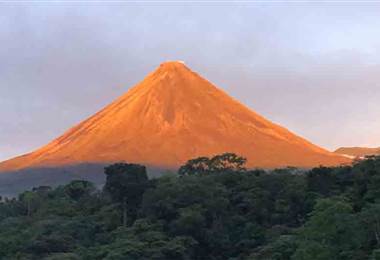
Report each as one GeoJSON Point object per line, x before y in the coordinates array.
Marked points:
{"type": "Point", "coordinates": [171, 116]}
{"type": "Point", "coordinates": [358, 151]}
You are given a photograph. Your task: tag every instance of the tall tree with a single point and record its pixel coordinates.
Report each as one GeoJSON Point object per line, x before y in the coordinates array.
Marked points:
{"type": "Point", "coordinates": [228, 162]}
{"type": "Point", "coordinates": [30, 199]}
{"type": "Point", "coordinates": [78, 188]}
{"type": "Point", "coordinates": [218, 163]}
{"type": "Point", "coordinates": [126, 183]}
{"type": "Point", "coordinates": [200, 165]}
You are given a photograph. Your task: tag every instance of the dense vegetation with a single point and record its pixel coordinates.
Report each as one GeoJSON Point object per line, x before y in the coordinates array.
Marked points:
{"type": "Point", "coordinates": [213, 209]}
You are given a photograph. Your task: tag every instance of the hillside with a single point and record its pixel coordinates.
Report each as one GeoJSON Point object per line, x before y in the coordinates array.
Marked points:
{"type": "Point", "coordinates": [357, 151]}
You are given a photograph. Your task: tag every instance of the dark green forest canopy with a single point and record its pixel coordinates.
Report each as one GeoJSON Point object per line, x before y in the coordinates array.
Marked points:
{"type": "Point", "coordinates": [213, 209]}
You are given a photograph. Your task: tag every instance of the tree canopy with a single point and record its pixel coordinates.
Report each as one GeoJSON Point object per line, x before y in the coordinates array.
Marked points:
{"type": "Point", "coordinates": [213, 208]}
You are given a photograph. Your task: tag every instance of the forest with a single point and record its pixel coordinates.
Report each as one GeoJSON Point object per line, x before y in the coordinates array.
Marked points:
{"type": "Point", "coordinates": [212, 208]}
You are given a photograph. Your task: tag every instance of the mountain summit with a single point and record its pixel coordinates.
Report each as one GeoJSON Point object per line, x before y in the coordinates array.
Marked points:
{"type": "Point", "coordinates": [174, 115]}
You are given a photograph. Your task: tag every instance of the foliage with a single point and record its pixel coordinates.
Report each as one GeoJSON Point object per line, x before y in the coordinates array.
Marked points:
{"type": "Point", "coordinates": [126, 184]}
{"type": "Point", "coordinates": [223, 162]}
{"type": "Point", "coordinates": [213, 209]}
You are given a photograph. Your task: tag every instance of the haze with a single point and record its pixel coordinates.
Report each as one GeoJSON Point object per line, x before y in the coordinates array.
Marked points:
{"type": "Point", "coordinates": [311, 67]}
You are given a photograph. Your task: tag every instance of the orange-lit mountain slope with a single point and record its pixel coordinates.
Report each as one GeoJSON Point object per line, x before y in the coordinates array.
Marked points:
{"type": "Point", "coordinates": [171, 116]}
{"type": "Point", "coordinates": [358, 151]}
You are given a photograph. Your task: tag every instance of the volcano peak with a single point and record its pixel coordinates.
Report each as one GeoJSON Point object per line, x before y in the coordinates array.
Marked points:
{"type": "Point", "coordinates": [172, 116]}
{"type": "Point", "coordinates": [172, 65]}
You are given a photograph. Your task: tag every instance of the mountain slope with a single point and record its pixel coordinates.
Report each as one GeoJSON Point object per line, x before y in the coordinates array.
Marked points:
{"type": "Point", "coordinates": [358, 151]}
{"type": "Point", "coordinates": [171, 116]}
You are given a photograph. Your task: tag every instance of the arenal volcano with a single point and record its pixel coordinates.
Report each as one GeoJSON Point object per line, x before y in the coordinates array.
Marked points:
{"type": "Point", "coordinates": [171, 116]}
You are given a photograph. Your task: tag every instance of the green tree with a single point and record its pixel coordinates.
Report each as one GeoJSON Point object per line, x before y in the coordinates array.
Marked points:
{"type": "Point", "coordinates": [370, 218]}
{"type": "Point", "coordinates": [200, 165]}
{"type": "Point", "coordinates": [332, 232]}
{"type": "Point", "coordinates": [126, 183]}
{"type": "Point", "coordinates": [228, 162]}
{"type": "Point", "coordinates": [218, 163]}
{"type": "Point", "coordinates": [78, 188]}
{"type": "Point", "coordinates": [31, 200]}
{"type": "Point", "coordinates": [321, 180]}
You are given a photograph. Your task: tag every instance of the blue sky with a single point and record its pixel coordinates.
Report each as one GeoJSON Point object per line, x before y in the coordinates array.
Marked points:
{"type": "Point", "coordinates": [311, 67]}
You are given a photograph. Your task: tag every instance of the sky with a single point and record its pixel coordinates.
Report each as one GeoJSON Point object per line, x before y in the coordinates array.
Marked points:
{"type": "Point", "coordinates": [313, 67]}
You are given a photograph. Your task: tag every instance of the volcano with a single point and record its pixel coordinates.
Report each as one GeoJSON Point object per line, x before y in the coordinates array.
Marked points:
{"type": "Point", "coordinates": [174, 115]}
